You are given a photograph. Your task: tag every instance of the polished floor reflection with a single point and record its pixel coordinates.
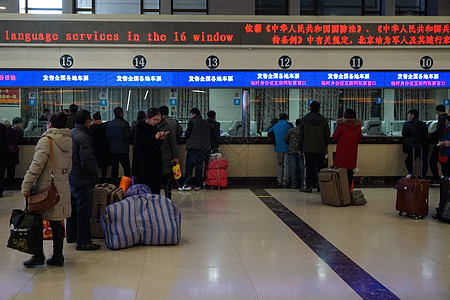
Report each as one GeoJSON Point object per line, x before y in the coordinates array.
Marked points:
{"type": "Point", "coordinates": [235, 247]}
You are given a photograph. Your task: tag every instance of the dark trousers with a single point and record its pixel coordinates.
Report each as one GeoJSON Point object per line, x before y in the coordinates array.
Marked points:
{"type": "Point", "coordinates": [124, 160]}
{"type": "Point", "coordinates": [433, 161]}
{"type": "Point", "coordinates": [154, 183]}
{"type": "Point", "coordinates": [445, 167]}
{"type": "Point", "coordinates": [314, 163]}
{"type": "Point", "coordinates": [350, 177]}
{"type": "Point", "coordinates": [78, 224]}
{"type": "Point", "coordinates": [11, 174]}
{"type": "Point", "coordinates": [424, 160]}
{"type": "Point", "coordinates": [194, 160]}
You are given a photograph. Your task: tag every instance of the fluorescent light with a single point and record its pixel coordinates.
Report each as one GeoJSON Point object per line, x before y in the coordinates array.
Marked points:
{"type": "Point", "coordinates": [2, 7]}
{"type": "Point", "coordinates": [198, 91]}
{"type": "Point", "coordinates": [146, 94]}
{"type": "Point", "coordinates": [129, 96]}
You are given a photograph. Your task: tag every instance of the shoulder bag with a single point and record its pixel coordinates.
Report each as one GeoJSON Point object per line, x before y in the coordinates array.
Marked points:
{"type": "Point", "coordinates": [43, 200]}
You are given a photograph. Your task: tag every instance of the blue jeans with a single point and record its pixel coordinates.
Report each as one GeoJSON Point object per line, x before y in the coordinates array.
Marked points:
{"type": "Point", "coordinates": [78, 225]}
{"type": "Point", "coordinates": [297, 169]}
{"type": "Point", "coordinates": [194, 159]}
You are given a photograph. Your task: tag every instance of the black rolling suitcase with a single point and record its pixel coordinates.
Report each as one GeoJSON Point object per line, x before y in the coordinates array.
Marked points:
{"type": "Point", "coordinates": [443, 211]}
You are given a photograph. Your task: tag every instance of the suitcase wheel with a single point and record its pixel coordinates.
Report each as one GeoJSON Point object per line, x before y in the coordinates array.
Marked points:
{"type": "Point", "coordinates": [400, 213]}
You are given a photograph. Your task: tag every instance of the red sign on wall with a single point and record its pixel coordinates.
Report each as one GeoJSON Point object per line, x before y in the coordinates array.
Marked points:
{"type": "Point", "coordinates": [9, 96]}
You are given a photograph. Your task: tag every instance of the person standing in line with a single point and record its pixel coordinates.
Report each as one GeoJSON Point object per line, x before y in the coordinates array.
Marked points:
{"type": "Point", "coordinates": [140, 117]}
{"type": "Point", "coordinates": [435, 136]}
{"type": "Point", "coordinates": [170, 155]}
{"type": "Point", "coordinates": [73, 108]}
{"type": "Point", "coordinates": [82, 178]}
{"type": "Point", "coordinates": [415, 135]}
{"type": "Point", "coordinates": [14, 135]}
{"type": "Point", "coordinates": [348, 135]}
{"type": "Point", "coordinates": [296, 160]}
{"type": "Point", "coordinates": [175, 126]}
{"type": "Point", "coordinates": [214, 130]}
{"type": "Point", "coordinates": [444, 148]}
{"type": "Point", "coordinates": [39, 177]}
{"type": "Point", "coordinates": [281, 148]}
{"type": "Point", "coordinates": [147, 155]}
{"type": "Point", "coordinates": [313, 140]}
{"type": "Point", "coordinates": [118, 134]}
{"type": "Point", "coordinates": [197, 146]}
{"type": "Point", "coordinates": [2, 157]}
{"type": "Point", "coordinates": [102, 154]}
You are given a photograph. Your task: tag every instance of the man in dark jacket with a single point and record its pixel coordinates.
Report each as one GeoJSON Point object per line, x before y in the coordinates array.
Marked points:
{"type": "Point", "coordinates": [2, 157]}
{"type": "Point", "coordinates": [175, 126]}
{"type": "Point", "coordinates": [73, 108]}
{"type": "Point", "coordinates": [170, 157]}
{"type": "Point", "coordinates": [197, 146]}
{"type": "Point", "coordinates": [415, 135]}
{"type": "Point", "coordinates": [214, 130]}
{"type": "Point", "coordinates": [82, 178]}
{"type": "Point", "coordinates": [435, 137]}
{"type": "Point", "coordinates": [118, 134]}
{"type": "Point", "coordinates": [313, 139]}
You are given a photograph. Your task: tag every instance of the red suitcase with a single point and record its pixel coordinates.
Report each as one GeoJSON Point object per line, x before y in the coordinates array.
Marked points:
{"type": "Point", "coordinates": [412, 194]}
{"type": "Point", "coordinates": [412, 197]}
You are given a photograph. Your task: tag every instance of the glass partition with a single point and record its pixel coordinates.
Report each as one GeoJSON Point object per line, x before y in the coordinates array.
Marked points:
{"type": "Point", "coordinates": [383, 111]}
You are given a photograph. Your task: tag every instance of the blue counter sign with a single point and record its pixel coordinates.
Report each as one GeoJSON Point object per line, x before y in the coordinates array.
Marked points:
{"type": "Point", "coordinates": [237, 101]}
{"type": "Point", "coordinates": [379, 100]}
{"type": "Point", "coordinates": [103, 102]}
{"type": "Point", "coordinates": [446, 102]}
{"type": "Point", "coordinates": [173, 102]}
{"type": "Point", "coordinates": [32, 102]}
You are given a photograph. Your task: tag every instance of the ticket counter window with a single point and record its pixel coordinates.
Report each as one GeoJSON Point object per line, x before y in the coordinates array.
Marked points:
{"type": "Point", "coordinates": [383, 111]}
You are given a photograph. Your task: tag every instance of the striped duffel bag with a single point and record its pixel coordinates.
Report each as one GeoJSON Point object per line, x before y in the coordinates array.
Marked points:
{"type": "Point", "coordinates": [137, 189]}
{"type": "Point", "coordinates": [142, 219]}
{"type": "Point", "coordinates": [159, 220]}
{"type": "Point", "coordinates": [119, 224]}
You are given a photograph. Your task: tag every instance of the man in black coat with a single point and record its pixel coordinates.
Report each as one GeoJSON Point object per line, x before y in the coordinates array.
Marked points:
{"type": "Point", "coordinates": [214, 130]}
{"type": "Point", "coordinates": [2, 157]}
{"type": "Point", "coordinates": [82, 178]}
{"type": "Point", "coordinates": [198, 134]}
{"type": "Point", "coordinates": [435, 137]}
{"type": "Point", "coordinates": [118, 134]}
{"type": "Point", "coordinates": [415, 135]}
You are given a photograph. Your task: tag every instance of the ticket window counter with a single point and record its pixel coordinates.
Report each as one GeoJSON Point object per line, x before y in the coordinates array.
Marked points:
{"type": "Point", "coordinates": [383, 118]}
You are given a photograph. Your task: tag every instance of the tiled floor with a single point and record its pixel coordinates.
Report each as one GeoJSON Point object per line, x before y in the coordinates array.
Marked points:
{"type": "Point", "coordinates": [234, 247]}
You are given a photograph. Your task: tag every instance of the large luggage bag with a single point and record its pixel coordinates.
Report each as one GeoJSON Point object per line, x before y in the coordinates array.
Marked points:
{"type": "Point", "coordinates": [334, 189]}
{"type": "Point", "coordinates": [412, 192]}
{"type": "Point", "coordinates": [412, 197]}
{"type": "Point", "coordinates": [216, 174]}
{"type": "Point", "coordinates": [104, 195]}
{"type": "Point", "coordinates": [148, 219]}
{"type": "Point", "coordinates": [443, 210]}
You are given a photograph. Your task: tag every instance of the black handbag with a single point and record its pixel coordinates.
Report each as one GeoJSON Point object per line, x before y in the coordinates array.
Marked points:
{"type": "Point", "coordinates": [26, 231]}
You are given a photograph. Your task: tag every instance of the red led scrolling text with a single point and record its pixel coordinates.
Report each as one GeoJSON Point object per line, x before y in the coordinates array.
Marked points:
{"type": "Point", "coordinates": [348, 34]}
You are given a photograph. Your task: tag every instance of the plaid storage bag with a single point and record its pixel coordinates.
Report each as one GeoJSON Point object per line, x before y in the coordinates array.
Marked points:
{"type": "Point", "coordinates": [158, 220]}
{"type": "Point", "coordinates": [119, 224]}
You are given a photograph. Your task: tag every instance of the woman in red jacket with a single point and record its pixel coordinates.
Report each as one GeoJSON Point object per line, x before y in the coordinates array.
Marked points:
{"type": "Point", "coordinates": [348, 135]}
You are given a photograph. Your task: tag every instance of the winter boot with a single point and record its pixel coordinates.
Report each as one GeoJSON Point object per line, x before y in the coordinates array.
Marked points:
{"type": "Point", "coordinates": [57, 258]}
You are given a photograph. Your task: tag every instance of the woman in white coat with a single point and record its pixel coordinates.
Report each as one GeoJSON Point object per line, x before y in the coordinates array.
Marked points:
{"type": "Point", "coordinates": [38, 178]}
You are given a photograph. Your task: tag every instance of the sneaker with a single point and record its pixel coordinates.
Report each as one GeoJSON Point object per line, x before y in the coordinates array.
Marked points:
{"type": "Point", "coordinates": [197, 188]}
{"type": "Point", "coordinates": [88, 247]}
{"type": "Point", "coordinates": [305, 190]}
{"type": "Point", "coordinates": [185, 188]}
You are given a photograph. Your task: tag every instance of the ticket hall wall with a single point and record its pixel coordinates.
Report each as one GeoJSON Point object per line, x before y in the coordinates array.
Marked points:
{"type": "Point", "coordinates": [380, 155]}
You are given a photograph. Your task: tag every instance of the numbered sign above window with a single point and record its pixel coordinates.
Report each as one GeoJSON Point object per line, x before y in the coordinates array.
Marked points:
{"type": "Point", "coordinates": [356, 62]}
{"type": "Point", "coordinates": [139, 61]}
{"type": "Point", "coordinates": [426, 62]}
{"type": "Point", "coordinates": [66, 61]}
{"type": "Point", "coordinates": [212, 62]}
{"type": "Point", "coordinates": [285, 62]}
